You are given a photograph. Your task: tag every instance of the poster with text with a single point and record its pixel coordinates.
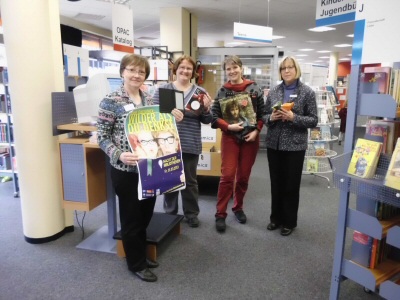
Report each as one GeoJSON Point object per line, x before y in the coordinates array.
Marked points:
{"type": "Point", "coordinates": [154, 137]}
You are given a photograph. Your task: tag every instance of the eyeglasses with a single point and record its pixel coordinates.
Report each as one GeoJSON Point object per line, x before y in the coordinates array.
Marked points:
{"type": "Point", "coordinates": [287, 68]}
{"type": "Point", "coordinates": [145, 143]}
{"type": "Point", "coordinates": [136, 72]}
{"type": "Point", "coordinates": [163, 141]}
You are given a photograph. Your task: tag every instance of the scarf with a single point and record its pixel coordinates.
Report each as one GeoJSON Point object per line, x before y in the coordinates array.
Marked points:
{"type": "Point", "coordinates": [238, 87]}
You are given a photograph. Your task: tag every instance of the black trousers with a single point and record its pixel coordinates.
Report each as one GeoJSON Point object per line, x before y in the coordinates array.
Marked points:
{"type": "Point", "coordinates": [285, 169]}
{"type": "Point", "coordinates": [135, 216]}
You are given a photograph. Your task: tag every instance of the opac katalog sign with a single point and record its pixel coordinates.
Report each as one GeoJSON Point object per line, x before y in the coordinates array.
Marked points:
{"type": "Point", "coordinates": [122, 25]}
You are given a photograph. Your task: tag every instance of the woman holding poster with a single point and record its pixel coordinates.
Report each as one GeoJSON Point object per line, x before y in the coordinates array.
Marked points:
{"type": "Point", "coordinates": [239, 143]}
{"type": "Point", "coordinates": [190, 137]}
{"type": "Point", "coordinates": [134, 215]}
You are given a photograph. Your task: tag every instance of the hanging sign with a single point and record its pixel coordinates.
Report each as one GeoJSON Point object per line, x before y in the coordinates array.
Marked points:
{"type": "Point", "coordinates": [330, 12]}
{"type": "Point", "coordinates": [252, 33]}
{"type": "Point", "coordinates": [122, 25]}
{"type": "Point", "coordinates": [377, 25]}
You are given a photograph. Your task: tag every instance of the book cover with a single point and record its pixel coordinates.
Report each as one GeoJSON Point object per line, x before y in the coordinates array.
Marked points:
{"type": "Point", "coordinates": [239, 108]}
{"type": "Point", "coordinates": [376, 80]}
{"type": "Point", "coordinates": [365, 158]}
{"type": "Point", "coordinates": [154, 137]}
{"type": "Point", "coordinates": [320, 148]}
{"type": "Point", "coordinates": [170, 99]}
{"type": "Point", "coordinates": [378, 130]}
{"type": "Point", "coordinates": [361, 249]}
{"type": "Point", "coordinates": [312, 165]}
{"type": "Point", "coordinates": [326, 133]}
{"type": "Point", "coordinates": [392, 178]}
{"type": "Point", "coordinates": [315, 133]}
{"type": "Point", "coordinates": [195, 104]}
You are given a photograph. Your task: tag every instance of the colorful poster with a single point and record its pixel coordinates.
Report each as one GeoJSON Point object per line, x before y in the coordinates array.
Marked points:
{"type": "Point", "coordinates": [154, 137]}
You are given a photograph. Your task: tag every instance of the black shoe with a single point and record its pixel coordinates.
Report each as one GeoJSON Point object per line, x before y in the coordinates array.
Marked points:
{"type": "Point", "coordinates": [193, 222]}
{"type": "Point", "coordinates": [272, 226]}
{"type": "Point", "coordinates": [152, 264]}
{"type": "Point", "coordinates": [286, 231]}
{"type": "Point", "coordinates": [146, 275]}
{"type": "Point", "coordinates": [240, 216]}
{"type": "Point", "coordinates": [220, 224]}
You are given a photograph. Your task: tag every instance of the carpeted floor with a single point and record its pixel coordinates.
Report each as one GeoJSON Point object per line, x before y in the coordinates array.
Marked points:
{"type": "Point", "coordinates": [246, 262]}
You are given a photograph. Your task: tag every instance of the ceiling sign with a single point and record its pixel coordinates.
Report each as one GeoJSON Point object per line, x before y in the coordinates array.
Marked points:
{"type": "Point", "coordinates": [252, 33]}
{"type": "Point", "coordinates": [331, 12]}
{"type": "Point", "coordinates": [122, 28]}
{"type": "Point", "coordinates": [377, 25]}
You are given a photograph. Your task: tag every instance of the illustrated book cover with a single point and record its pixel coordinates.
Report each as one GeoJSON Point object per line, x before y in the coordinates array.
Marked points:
{"type": "Point", "coordinates": [312, 165]}
{"type": "Point", "coordinates": [239, 108]}
{"type": "Point", "coordinates": [392, 178]}
{"type": "Point", "coordinates": [154, 137]}
{"type": "Point", "coordinates": [195, 103]}
{"type": "Point", "coordinates": [365, 158]}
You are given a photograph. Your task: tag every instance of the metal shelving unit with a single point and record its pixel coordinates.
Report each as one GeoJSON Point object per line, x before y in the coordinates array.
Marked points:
{"type": "Point", "coordinates": [378, 279]}
{"type": "Point", "coordinates": [8, 142]}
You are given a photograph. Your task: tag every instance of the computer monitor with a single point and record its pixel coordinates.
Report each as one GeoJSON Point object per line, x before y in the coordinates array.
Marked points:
{"type": "Point", "coordinates": [88, 96]}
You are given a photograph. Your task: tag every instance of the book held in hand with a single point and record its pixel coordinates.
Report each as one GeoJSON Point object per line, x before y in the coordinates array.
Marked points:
{"type": "Point", "coordinates": [239, 108]}
{"type": "Point", "coordinates": [365, 158]}
{"type": "Point", "coordinates": [170, 99]}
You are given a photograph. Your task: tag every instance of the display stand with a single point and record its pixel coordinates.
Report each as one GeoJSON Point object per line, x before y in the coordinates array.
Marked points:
{"type": "Point", "coordinates": [316, 160]}
{"type": "Point", "coordinates": [377, 279]}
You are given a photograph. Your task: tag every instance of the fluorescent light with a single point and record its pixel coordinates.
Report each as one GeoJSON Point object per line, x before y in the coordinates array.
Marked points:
{"type": "Point", "coordinates": [232, 44]}
{"type": "Point", "coordinates": [345, 58]}
{"type": "Point", "coordinates": [324, 57]}
{"type": "Point", "coordinates": [318, 61]}
{"type": "Point", "coordinates": [306, 49]}
{"type": "Point", "coordinates": [324, 51]}
{"type": "Point", "coordinates": [350, 35]}
{"type": "Point", "coordinates": [343, 45]}
{"type": "Point", "coordinates": [277, 37]}
{"type": "Point", "coordinates": [300, 55]}
{"type": "Point", "coordinates": [350, 54]}
{"type": "Point", "coordinates": [321, 29]}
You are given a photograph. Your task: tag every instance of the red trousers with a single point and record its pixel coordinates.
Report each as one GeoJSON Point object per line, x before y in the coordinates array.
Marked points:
{"type": "Point", "coordinates": [237, 160]}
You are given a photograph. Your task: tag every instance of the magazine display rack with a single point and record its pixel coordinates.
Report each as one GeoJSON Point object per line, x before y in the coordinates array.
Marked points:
{"type": "Point", "coordinates": [7, 160]}
{"type": "Point", "coordinates": [319, 151]}
{"type": "Point", "coordinates": [384, 277]}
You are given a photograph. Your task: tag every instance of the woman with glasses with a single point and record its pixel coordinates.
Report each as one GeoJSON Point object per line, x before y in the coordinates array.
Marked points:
{"type": "Point", "coordinates": [190, 137]}
{"type": "Point", "coordinates": [134, 215]}
{"type": "Point", "coordinates": [287, 141]}
{"type": "Point", "coordinates": [238, 156]}
{"type": "Point", "coordinates": [144, 144]}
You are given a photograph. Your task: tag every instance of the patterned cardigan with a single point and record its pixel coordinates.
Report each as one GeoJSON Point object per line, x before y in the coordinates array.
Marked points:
{"type": "Point", "coordinates": [291, 136]}
{"type": "Point", "coordinates": [110, 126]}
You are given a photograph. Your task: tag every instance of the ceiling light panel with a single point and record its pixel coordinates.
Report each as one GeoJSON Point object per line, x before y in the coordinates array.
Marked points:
{"type": "Point", "coordinates": [321, 29]}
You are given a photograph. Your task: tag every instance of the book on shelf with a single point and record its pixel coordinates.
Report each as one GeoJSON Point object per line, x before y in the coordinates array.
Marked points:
{"type": "Point", "coordinates": [315, 134]}
{"type": "Point", "coordinates": [392, 178]}
{"type": "Point", "coordinates": [320, 148]}
{"type": "Point", "coordinates": [325, 114]}
{"type": "Point", "coordinates": [361, 248]}
{"type": "Point", "coordinates": [384, 129]}
{"type": "Point", "coordinates": [326, 132]}
{"type": "Point", "coordinates": [365, 158]}
{"type": "Point", "coordinates": [312, 165]}
{"type": "Point", "coordinates": [376, 80]}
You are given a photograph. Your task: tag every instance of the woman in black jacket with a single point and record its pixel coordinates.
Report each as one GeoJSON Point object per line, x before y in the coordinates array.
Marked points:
{"type": "Point", "coordinates": [287, 141]}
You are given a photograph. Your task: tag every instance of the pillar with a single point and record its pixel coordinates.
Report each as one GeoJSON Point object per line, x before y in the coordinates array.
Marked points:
{"type": "Point", "coordinates": [333, 68]}
{"type": "Point", "coordinates": [178, 31]}
{"type": "Point", "coordinates": [34, 54]}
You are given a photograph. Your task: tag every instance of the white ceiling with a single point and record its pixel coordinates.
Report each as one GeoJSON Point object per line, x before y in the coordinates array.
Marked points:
{"type": "Point", "coordinates": [289, 18]}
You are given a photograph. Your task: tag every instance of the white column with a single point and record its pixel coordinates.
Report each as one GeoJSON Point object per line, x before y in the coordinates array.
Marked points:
{"type": "Point", "coordinates": [34, 53]}
{"type": "Point", "coordinates": [333, 68]}
{"type": "Point", "coordinates": [178, 30]}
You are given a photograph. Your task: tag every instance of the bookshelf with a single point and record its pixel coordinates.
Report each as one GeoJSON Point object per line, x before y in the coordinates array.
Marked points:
{"type": "Point", "coordinates": [8, 166]}
{"type": "Point", "coordinates": [380, 279]}
{"type": "Point", "coordinates": [320, 139]}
